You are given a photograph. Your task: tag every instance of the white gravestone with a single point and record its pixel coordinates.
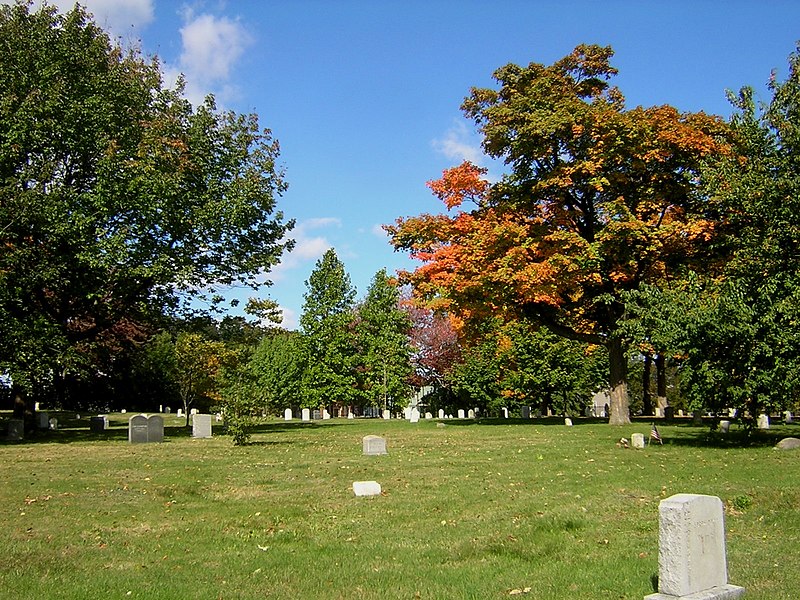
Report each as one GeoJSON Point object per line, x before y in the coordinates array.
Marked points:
{"type": "Point", "coordinates": [367, 488]}
{"type": "Point", "coordinates": [428, 416]}
{"type": "Point", "coordinates": [306, 414]}
{"type": "Point", "coordinates": [568, 422]}
{"type": "Point", "coordinates": [724, 426]}
{"type": "Point", "coordinates": [287, 414]}
{"type": "Point", "coordinates": [460, 413]}
{"type": "Point", "coordinates": [505, 413]}
{"type": "Point", "coordinates": [201, 426]}
{"type": "Point", "coordinates": [387, 414]}
{"type": "Point", "coordinates": [325, 414]}
{"type": "Point", "coordinates": [763, 422]}
{"type": "Point", "coordinates": [350, 415]}
{"type": "Point", "coordinates": [373, 445]}
{"type": "Point", "coordinates": [470, 414]}
{"type": "Point", "coordinates": [53, 423]}
{"type": "Point", "coordinates": [637, 440]}
{"type": "Point", "coordinates": [441, 413]}
{"type": "Point", "coordinates": [193, 412]}
{"type": "Point", "coordinates": [787, 416]}
{"type": "Point", "coordinates": [179, 413]}
{"type": "Point", "coordinates": [692, 563]}
{"type": "Point", "coordinates": [137, 429]}
{"type": "Point", "coordinates": [414, 418]}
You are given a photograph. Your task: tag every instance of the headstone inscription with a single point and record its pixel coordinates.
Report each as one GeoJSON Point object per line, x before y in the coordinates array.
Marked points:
{"type": "Point", "coordinates": [201, 426]}
{"type": "Point", "coordinates": [98, 424]}
{"type": "Point", "coordinates": [137, 429]}
{"type": "Point", "coordinates": [691, 550]}
{"type": "Point", "coordinates": [287, 414]}
{"type": "Point", "coordinates": [373, 445]}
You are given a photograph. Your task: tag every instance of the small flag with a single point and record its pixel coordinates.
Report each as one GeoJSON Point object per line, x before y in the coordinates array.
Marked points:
{"type": "Point", "coordinates": [654, 435]}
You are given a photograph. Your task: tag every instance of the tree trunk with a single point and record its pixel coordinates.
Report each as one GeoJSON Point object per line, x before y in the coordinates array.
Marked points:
{"type": "Point", "coordinates": [647, 400]}
{"type": "Point", "coordinates": [661, 381]}
{"type": "Point", "coordinates": [618, 382]}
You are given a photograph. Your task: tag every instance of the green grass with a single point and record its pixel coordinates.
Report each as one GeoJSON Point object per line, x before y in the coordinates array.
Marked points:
{"type": "Point", "coordinates": [470, 510]}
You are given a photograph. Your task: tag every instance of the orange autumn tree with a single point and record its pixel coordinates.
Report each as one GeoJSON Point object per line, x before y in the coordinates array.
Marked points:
{"type": "Point", "coordinates": [598, 199]}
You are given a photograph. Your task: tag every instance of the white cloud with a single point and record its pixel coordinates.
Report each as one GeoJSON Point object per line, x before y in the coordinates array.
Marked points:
{"type": "Point", "coordinates": [307, 247]}
{"type": "Point", "coordinates": [115, 16]}
{"type": "Point", "coordinates": [459, 144]}
{"type": "Point", "coordinates": [211, 47]}
{"type": "Point", "coordinates": [378, 231]}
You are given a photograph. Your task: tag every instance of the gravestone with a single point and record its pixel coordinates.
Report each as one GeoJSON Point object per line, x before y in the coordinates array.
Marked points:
{"type": "Point", "coordinates": [697, 418]}
{"type": "Point", "coordinates": [680, 412]}
{"type": "Point", "coordinates": [414, 415]}
{"type": "Point", "coordinates": [387, 415]}
{"type": "Point", "coordinates": [350, 415]}
{"type": "Point", "coordinates": [470, 414]}
{"type": "Point", "coordinates": [161, 408]}
{"type": "Point", "coordinates": [201, 426]}
{"type": "Point", "coordinates": [441, 413]}
{"type": "Point", "coordinates": [325, 414]}
{"type": "Point", "coordinates": [789, 443]}
{"type": "Point", "coordinates": [316, 414]}
{"type": "Point", "coordinates": [763, 422]}
{"type": "Point", "coordinates": [16, 429]}
{"type": "Point", "coordinates": [179, 413]}
{"type": "Point", "coordinates": [460, 413]}
{"type": "Point", "coordinates": [98, 424]}
{"type": "Point", "coordinates": [53, 423]}
{"type": "Point", "coordinates": [669, 413]}
{"type": "Point", "coordinates": [637, 440]}
{"type": "Point", "coordinates": [407, 413]}
{"type": "Point", "coordinates": [568, 422]}
{"type": "Point", "coordinates": [787, 417]}
{"type": "Point", "coordinates": [137, 429]}
{"type": "Point", "coordinates": [306, 414]}
{"type": "Point", "coordinates": [193, 411]}
{"type": "Point", "coordinates": [691, 550]}
{"type": "Point", "coordinates": [155, 428]}
{"type": "Point", "coordinates": [724, 426]}
{"type": "Point", "coordinates": [123, 411]}
{"type": "Point", "coordinates": [287, 414]}
{"type": "Point", "coordinates": [168, 410]}
{"type": "Point", "coordinates": [36, 406]}
{"type": "Point", "coordinates": [44, 420]}
{"type": "Point", "coordinates": [373, 445]}
{"type": "Point", "coordinates": [366, 488]}
{"type": "Point", "coordinates": [505, 412]}
{"type": "Point", "coordinates": [659, 412]}
{"type": "Point", "coordinates": [526, 412]}
{"type": "Point", "coordinates": [428, 416]}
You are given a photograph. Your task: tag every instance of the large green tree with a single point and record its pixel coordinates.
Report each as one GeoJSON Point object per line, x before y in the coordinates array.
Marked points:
{"type": "Point", "coordinates": [327, 320]}
{"type": "Point", "coordinates": [118, 199]}
{"type": "Point", "coordinates": [383, 341]}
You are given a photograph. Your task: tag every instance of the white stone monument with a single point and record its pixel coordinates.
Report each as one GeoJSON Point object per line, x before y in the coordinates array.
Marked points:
{"type": "Point", "coordinates": [568, 422]}
{"type": "Point", "coordinates": [366, 488]}
{"type": "Point", "coordinates": [201, 426]}
{"type": "Point", "coordinates": [441, 413]}
{"type": "Point", "coordinates": [763, 422]}
{"type": "Point", "coordinates": [428, 416]}
{"type": "Point", "coordinates": [470, 414]}
{"type": "Point", "coordinates": [325, 414]}
{"type": "Point", "coordinates": [724, 426]}
{"type": "Point", "coordinates": [692, 563]}
{"type": "Point", "coordinates": [387, 414]}
{"type": "Point", "coordinates": [287, 414]}
{"type": "Point", "coordinates": [306, 414]}
{"type": "Point", "coordinates": [461, 413]}
{"type": "Point", "coordinates": [637, 440]}
{"type": "Point", "coordinates": [373, 445]}
{"type": "Point", "coordinates": [414, 418]}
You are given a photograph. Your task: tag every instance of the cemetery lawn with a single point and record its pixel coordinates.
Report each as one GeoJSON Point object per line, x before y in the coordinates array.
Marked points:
{"type": "Point", "coordinates": [494, 509]}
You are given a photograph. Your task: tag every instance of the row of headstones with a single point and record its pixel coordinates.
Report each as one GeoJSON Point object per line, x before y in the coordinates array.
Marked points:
{"type": "Point", "coordinates": [143, 429]}
{"type": "Point", "coordinates": [412, 414]}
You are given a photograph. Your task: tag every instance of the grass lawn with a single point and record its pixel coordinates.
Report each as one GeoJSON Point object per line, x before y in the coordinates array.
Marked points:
{"type": "Point", "coordinates": [471, 510]}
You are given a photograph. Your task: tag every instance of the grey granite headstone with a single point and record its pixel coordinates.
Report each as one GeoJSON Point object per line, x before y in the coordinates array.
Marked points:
{"type": "Point", "coordinates": [137, 429]}
{"type": "Point", "coordinates": [98, 424]}
{"type": "Point", "coordinates": [526, 412]}
{"type": "Point", "coordinates": [373, 445]}
{"type": "Point", "coordinates": [155, 428]}
{"type": "Point", "coordinates": [44, 420]}
{"type": "Point", "coordinates": [16, 429]}
{"type": "Point", "coordinates": [201, 426]}
{"type": "Point", "coordinates": [316, 414]}
{"type": "Point", "coordinates": [692, 563]}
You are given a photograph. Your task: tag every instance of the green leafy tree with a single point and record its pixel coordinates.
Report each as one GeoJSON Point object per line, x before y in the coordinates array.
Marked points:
{"type": "Point", "coordinates": [384, 347]}
{"type": "Point", "coordinates": [199, 364]}
{"type": "Point", "coordinates": [119, 201]}
{"type": "Point", "coordinates": [327, 322]}
{"type": "Point", "coordinates": [276, 369]}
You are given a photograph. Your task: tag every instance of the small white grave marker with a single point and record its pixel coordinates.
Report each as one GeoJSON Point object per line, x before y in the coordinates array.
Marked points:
{"type": "Point", "coordinates": [568, 422]}
{"type": "Point", "coordinates": [367, 488]}
{"type": "Point", "coordinates": [763, 422]}
{"type": "Point", "coordinates": [441, 413]}
{"type": "Point", "coordinates": [414, 418]}
{"type": "Point", "coordinates": [724, 426]}
{"type": "Point", "coordinates": [692, 563]}
{"type": "Point", "coordinates": [460, 413]}
{"type": "Point", "coordinates": [306, 414]}
{"type": "Point", "coordinates": [637, 440]}
{"type": "Point", "coordinates": [287, 414]}
{"type": "Point", "coordinates": [373, 445]}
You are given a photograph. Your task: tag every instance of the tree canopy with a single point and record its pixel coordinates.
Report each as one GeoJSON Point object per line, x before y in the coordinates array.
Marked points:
{"type": "Point", "coordinates": [599, 199]}
{"type": "Point", "coordinates": [118, 199]}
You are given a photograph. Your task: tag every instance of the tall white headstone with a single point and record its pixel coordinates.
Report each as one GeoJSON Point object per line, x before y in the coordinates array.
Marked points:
{"type": "Point", "coordinates": [414, 418]}
{"type": "Point", "coordinates": [691, 550]}
{"type": "Point", "coordinates": [460, 413]}
{"type": "Point", "coordinates": [441, 413]}
{"type": "Point", "coordinates": [287, 414]}
{"type": "Point", "coordinates": [306, 414]}
{"type": "Point", "coordinates": [763, 422]}
{"type": "Point", "coordinates": [387, 414]}
{"type": "Point", "coordinates": [201, 426]}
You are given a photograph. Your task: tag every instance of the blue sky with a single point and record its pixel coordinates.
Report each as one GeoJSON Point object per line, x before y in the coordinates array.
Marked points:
{"type": "Point", "coordinates": [364, 96]}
